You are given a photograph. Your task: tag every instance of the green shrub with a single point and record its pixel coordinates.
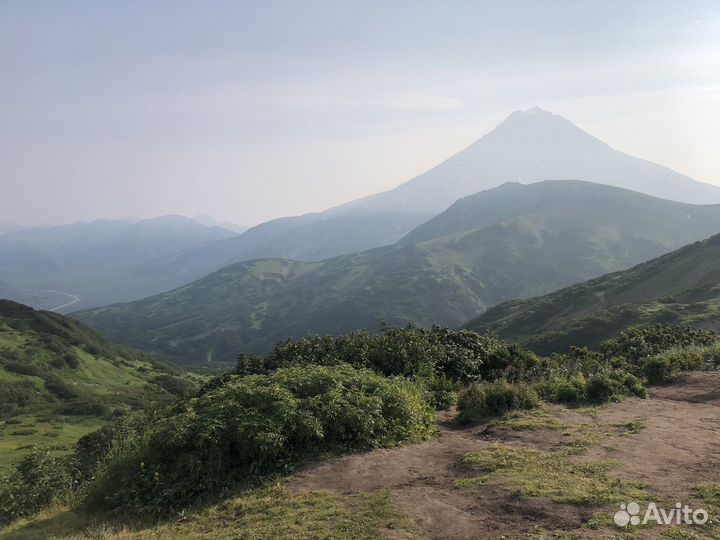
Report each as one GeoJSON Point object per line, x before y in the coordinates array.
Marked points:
{"type": "Point", "coordinates": [460, 355]}
{"type": "Point", "coordinates": [18, 393]}
{"type": "Point", "coordinates": [567, 392]}
{"type": "Point", "coordinates": [255, 425]}
{"type": "Point", "coordinates": [71, 360]}
{"type": "Point", "coordinates": [93, 449]}
{"type": "Point", "coordinates": [66, 359]}
{"type": "Point", "coordinates": [509, 361]}
{"type": "Point", "coordinates": [466, 356]}
{"type": "Point", "coordinates": [710, 357]}
{"type": "Point", "coordinates": [23, 367]}
{"type": "Point", "coordinates": [8, 410]}
{"type": "Point", "coordinates": [84, 407]}
{"type": "Point", "coordinates": [483, 400]}
{"type": "Point", "coordinates": [652, 340]}
{"type": "Point", "coordinates": [656, 369]}
{"type": "Point", "coordinates": [35, 482]}
{"type": "Point", "coordinates": [175, 385]}
{"type": "Point", "coordinates": [670, 364]}
{"type": "Point", "coordinates": [251, 364]}
{"type": "Point", "coordinates": [600, 388]}
{"type": "Point", "coordinates": [60, 388]}
{"type": "Point", "coordinates": [443, 392]}
{"type": "Point", "coordinates": [571, 390]}
{"type": "Point", "coordinates": [632, 385]}
{"type": "Point", "coordinates": [613, 386]}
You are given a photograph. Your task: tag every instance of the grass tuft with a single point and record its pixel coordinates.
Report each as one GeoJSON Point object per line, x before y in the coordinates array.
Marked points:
{"type": "Point", "coordinates": [533, 473]}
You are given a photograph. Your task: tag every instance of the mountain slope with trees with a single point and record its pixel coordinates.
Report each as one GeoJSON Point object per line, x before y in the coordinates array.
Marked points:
{"type": "Point", "coordinates": [60, 380]}
{"type": "Point", "coordinates": [682, 287]}
{"type": "Point", "coordinates": [536, 239]}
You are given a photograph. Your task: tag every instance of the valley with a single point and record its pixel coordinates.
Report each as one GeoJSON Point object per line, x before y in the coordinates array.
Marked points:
{"type": "Point", "coordinates": [72, 299]}
{"type": "Point", "coordinates": [513, 241]}
{"type": "Point", "coordinates": [679, 288]}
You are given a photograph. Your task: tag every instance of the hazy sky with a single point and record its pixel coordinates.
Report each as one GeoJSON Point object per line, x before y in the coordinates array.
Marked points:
{"type": "Point", "coordinates": [248, 110]}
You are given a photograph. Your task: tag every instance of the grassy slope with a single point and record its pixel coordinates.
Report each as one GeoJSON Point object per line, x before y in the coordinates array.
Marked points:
{"type": "Point", "coordinates": [98, 377]}
{"type": "Point", "coordinates": [511, 242]}
{"type": "Point", "coordinates": [682, 287]}
{"type": "Point", "coordinates": [268, 512]}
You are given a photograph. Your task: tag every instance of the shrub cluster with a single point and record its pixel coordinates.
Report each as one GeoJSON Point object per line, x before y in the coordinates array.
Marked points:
{"type": "Point", "coordinates": [670, 364]}
{"type": "Point", "coordinates": [483, 400]}
{"type": "Point", "coordinates": [254, 425]}
{"type": "Point", "coordinates": [36, 481]}
{"type": "Point", "coordinates": [176, 386]}
{"type": "Point", "coordinates": [442, 358]}
{"type": "Point", "coordinates": [59, 387]}
{"type": "Point", "coordinates": [600, 387]}
{"type": "Point", "coordinates": [316, 395]}
{"type": "Point", "coordinates": [641, 343]}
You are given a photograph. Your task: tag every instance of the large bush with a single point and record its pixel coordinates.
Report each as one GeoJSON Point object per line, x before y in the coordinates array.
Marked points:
{"type": "Point", "coordinates": [458, 355]}
{"type": "Point", "coordinates": [59, 387]}
{"type": "Point", "coordinates": [613, 386]}
{"type": "Point", "coordinates": [258, 424]}
{"type": "Point", "coordinates": [394, 351]}
{"type": "Point", "coordinates": [484, 400]}
{"type": "Point", "coordinates": [597, 387]}
{"type": "Point", "coordinates": [35, 482]}
{"type": "Point", "coordinates": [564, 390]}
{"type": "Point", "coordinates": [643, 342]}
{"type": "Point", "coordinates": [670, 364]}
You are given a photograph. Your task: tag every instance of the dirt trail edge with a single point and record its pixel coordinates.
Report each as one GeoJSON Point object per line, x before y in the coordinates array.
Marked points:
{"type": "Point", "coordinates": [675, 449]}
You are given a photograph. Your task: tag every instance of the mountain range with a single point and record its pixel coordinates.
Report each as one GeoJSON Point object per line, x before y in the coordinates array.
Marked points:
{"type": "Point", "coordinates": [681, 288]}
{"type": "Point", "coordinates": [513, 241]}
{"type": "Point", "coordinates": [529, 146]}
{"type": "Point", "coordinates": [119, 261]}
{"type": "Point", "coordinates": [101, 261]}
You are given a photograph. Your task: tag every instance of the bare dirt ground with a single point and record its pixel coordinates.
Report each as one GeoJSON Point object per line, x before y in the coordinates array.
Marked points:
{"type": "Point", "coordinates": [674, 448]}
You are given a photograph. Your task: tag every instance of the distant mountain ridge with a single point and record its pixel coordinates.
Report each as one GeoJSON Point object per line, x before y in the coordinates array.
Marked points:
{"type": "Point", "coordinates": [504, 243]}
{"type": "Point", "coordinates": [98, 261]}
{"type": "Point", "coordinates": [682, 287]}
{"type": "Point", "coordinates": [8, 227]}
{"type": "Point", "coordinates": [529, 146]}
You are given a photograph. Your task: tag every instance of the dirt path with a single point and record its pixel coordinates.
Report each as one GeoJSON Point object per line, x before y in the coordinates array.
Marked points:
{"type": "Point", "coordinates": [674, 448]}
{"type": "Point", "coordinates": [680, 447]}
{"type": "Point", "coordinates": [420, 478]}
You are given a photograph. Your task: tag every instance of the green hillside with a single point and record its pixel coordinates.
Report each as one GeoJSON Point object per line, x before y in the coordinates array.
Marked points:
{"type": "Point", "coordinates": [59, 380]}
{"type": "Point", "coordinates": [515, 241]}
{"type": "Point", "coordinates": [680, 288]}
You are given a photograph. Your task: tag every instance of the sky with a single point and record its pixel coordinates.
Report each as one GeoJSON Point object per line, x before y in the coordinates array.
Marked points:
{"type": "Point", "coordinates": [250, 110]}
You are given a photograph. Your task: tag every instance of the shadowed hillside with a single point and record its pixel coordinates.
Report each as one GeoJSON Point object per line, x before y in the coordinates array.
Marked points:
{"type": "Point", "coordinates": [682, 287]}
{"type": "Point", "coordinates": [509, 242]}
